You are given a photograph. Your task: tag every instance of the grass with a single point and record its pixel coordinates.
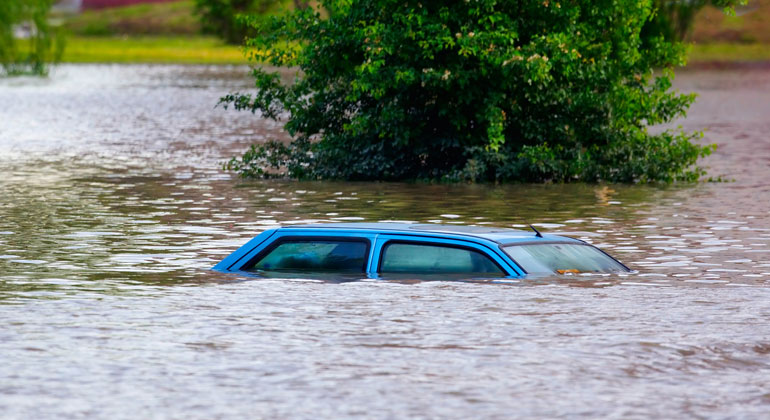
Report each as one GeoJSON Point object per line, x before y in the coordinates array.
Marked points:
{"type": "Point", "coordinates": [201, 49]}
{"type": "Point", "coordinates": [210, 50]}
{"type": "Point", "coordinates": [169, 49]}
{"type": "Point", "coordinates": [145, 33]}
{"type": "Point", "coordinates": [729, 52]}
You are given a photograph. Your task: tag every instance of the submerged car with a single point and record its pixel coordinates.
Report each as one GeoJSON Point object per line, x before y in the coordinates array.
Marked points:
{"type": "Point", "coordinates": [381, 250]}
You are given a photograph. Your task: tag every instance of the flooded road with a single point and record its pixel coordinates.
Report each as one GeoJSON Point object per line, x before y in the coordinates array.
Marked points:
{"type": "Point", "coordinates": [113, 208]}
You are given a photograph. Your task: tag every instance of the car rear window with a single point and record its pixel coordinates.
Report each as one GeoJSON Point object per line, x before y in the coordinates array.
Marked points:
{"type": "Point", "coordinates": [563, 258]}
{"type": "Point", "coordinates": [315, 255]}
{"type": "Point", "coordinates": [424, 258]}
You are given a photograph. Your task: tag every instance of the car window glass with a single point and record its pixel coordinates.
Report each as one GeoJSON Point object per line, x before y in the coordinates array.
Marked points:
{"type": "Point", "coordinates": [315, 255]}
{"type": "Point", "coordinates": [421, 258]}
{"type": "Point", "coordinates": [562, 258]}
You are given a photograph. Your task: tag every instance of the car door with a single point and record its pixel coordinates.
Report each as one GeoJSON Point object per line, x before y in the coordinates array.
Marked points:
{"type": "Point", "coordinates": [397, 255]}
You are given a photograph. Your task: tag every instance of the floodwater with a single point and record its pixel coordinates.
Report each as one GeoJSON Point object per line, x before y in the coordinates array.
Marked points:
{"type": "Point", "coordinates": [113, 208]}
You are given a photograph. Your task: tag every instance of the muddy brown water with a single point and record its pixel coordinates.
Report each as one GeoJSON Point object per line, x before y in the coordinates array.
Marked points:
{"type": "Point", "coordinates": [113, 208]}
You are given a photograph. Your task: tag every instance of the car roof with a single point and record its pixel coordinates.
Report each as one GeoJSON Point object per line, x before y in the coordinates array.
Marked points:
{"type": "Point", "coordinates": [495, 234]}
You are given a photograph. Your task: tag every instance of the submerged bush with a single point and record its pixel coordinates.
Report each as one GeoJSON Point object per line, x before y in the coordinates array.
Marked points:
{"type": "Point", "coordinates": [43, 43]}
{"type": "Point", "coordinates": [479, 90]}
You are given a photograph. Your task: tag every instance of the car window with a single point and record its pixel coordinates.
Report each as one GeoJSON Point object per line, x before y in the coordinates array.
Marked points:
{"type": "Point", "coordinates": [424, 258]}
{"type": "Point", "coordinates": [315, 255]}
{"type": "Point", "coordinates": [563, 258]}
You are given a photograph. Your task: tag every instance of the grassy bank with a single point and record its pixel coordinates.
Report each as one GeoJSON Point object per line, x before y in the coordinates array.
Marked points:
{"type": "Point", "coordinates": [167, 49]}
{"type": "Point", "coordinates": [750, 25]}
{"type": "Point", "coordinates": [720, 38]}
{"type": "Point", "coordinates": [210, 50]}
{"type": "Point", "coordinates": [728, 52]}
{"type": "Point", "coordinates": [176, 18]}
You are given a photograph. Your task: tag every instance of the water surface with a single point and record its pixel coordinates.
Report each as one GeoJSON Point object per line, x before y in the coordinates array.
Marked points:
{"type": "Point", "coordinates": [113, 208]}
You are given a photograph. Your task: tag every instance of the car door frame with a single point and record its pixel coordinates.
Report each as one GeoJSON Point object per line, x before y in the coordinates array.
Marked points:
{"type": "Point", "coordinates": [254, 249]}
{"type": "Point", "coordinates": [490, 249]}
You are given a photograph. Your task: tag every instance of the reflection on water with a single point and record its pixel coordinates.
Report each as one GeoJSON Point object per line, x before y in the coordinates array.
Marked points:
{"type": "Point", "coordinates": [113, 209]}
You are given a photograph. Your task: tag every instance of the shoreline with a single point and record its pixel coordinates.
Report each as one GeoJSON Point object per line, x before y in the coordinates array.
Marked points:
{"type": "Point", "coordinates": [200, 49]}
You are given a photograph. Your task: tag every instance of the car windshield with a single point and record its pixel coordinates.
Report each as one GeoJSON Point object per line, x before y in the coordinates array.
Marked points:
{"type": "Point", "coordinates": [563, 258]}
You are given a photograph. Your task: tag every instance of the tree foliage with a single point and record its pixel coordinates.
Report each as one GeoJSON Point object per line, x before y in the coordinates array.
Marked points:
{"type": "Point", "coordinates": [45, 44]}
{"type": "Point", "coordinates": [481, 90]}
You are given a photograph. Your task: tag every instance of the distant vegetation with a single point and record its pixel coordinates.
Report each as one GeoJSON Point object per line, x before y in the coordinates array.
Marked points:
{"type": "Point", "coordinates": [144, 33]}
{"type": "Point", "coordinates": [222, 17]}
{"type": "Point", "coordinates": [673, 19]}
{"type": "Point", "coordinates": [750, 25]}
{"type": "Point", "coordinates": [95, 33]}
{"type": "Point", "coordinates": [699, 21]}
{"type": "Point", "coordinates": [175, 18]}
{"type": "Point", "coordinates": [26, 22]}
{"type": "Point", "coordinates": [478, 91]}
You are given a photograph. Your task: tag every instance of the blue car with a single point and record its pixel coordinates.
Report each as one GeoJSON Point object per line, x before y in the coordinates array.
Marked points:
{"type": "Point", "coordinates": [384, 250]}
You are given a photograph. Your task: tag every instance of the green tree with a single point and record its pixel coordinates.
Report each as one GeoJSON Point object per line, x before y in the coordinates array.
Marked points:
{"type": "Point", "coordinates": [481, 90]}
{"type": "Point", "coordinates": [44, 43]}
